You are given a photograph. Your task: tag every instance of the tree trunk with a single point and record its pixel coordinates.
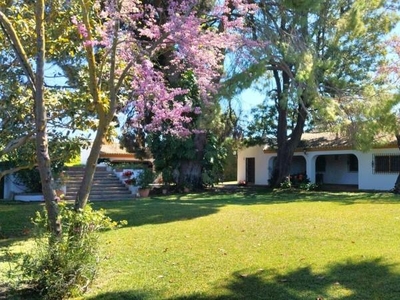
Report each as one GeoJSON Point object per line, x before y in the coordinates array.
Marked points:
{"type": "Point", "coordinates": [104, 110]}
{"type": "Point", "coordinates": [286, 147]}
{"type": "Point", "coordinates": [190, 174]}
{"type": "Point", "coordinates": [190, 170]}
{"type": "Point", "coordinates": [86, 185]}
{"type": "Point", "coordinates": [42, 151]}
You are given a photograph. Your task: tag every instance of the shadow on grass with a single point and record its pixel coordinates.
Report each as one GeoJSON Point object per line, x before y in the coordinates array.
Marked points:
{"type": "Point", "coordinates": [159, 210]}
{"type": "Point", "coordinates": [15, 217]}
{"type": "Point", "coordinates": [125, 295]}
{"type": "Point", "coordinates": [346, 281]}
{"type": "Point", "coordinates": [365, 280]}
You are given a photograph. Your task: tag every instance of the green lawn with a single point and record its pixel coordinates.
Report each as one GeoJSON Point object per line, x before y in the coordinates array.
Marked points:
{"type": "Point", "coordinates": [251, 245]}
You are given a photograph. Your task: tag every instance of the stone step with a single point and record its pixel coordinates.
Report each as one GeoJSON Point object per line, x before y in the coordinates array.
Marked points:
{"type": "Point", "coordinates": [106, 185]}
{"type": "Point", "coordinates": [104, 197]}
{"type": "Point", "coordinates": [96, 182]}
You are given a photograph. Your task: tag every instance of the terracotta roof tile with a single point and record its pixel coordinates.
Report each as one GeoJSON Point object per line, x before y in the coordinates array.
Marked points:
{"type": "Point", "coordinates": [326, 140]}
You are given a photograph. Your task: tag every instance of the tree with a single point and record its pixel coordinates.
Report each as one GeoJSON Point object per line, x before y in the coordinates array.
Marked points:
{"type": "Point", "coordinates": [36, 84]}
{"type": "Point", "coordinates": [127, 49]}
{"type": "Point", "coordinates": [17, 125]}
{"type": "Point", "coordinates": [121, 42]}
{"type": "Point", "coordinates": [317, 55]}
{"type": "Point", "coordinates": [193, 161]}
{"type": "Point", "coordinates": [392, 74]}
{"type": "Point", "coordinates": [121, 68]}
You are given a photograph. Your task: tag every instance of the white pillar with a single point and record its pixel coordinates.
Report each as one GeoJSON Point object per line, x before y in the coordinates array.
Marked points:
{"type": "Point", "coordinates": [310, 169]}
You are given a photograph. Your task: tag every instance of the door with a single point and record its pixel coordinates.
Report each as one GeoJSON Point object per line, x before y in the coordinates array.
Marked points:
{"type": "Point", "coordinates": [250, 169]}
{"type": "Point", "coordinates": [2, 188]}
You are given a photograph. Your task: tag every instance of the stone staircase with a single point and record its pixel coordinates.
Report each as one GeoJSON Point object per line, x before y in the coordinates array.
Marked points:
{"type": "Point", "coordinates": [106, 186]}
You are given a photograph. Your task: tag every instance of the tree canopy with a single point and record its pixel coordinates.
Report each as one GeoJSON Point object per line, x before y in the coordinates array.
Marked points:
{"type": "Point", "coordinates": [318, 57]}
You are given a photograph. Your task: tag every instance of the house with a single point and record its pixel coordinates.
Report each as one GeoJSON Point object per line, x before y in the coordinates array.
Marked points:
{"type": "Point", "coordinates": [11, 189]}
{"type": "Point", "coordinates": [113, 153]}
{"type": "Point", "coordinates": [326, 158]}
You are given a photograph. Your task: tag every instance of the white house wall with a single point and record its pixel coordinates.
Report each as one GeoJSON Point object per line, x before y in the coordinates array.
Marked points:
{"type": "Point", "coordinates": [375, 181]}
{"type": "Point", "coordinates": [11, 188]}
{"type": "Point", "coordinates": [336, 168]}
{"type": "Point", "coordinates": [261, 163]}
{"type": "Point", "coordinates": [337, 171]}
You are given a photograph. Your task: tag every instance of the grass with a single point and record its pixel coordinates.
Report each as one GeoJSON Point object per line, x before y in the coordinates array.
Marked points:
{"type": "Point", "coordinates": [247, 245]}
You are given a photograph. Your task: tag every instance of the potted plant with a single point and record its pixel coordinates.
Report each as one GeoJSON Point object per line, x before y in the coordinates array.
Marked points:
{"type": "Point", "coordinates": [131, 184]}
{"type": "Point", "coordinates": [60, 180]}
{"type": "Point", "coordinates": [167, 178]}
{"type": "Point", "coordinates": [144, 180]}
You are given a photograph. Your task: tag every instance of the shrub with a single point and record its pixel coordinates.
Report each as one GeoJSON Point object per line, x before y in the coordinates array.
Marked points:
{"type": "Point", "coordinates": [287, 184]}
{"type": "Point", "coordinates": [64, 267]}
{"type": "Point", "coordinates": [30, 179]}
{"type": "Point", "coordinates": [145, 178]}
{"type": "Point", "coordinates": [308, 186]}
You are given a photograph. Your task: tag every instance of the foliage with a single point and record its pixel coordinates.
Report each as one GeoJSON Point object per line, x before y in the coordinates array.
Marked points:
{"type": "Point", "coordinates": [308, 186]}
{"type": "Point", "coordinates": [214, 160]}
{"type": "Point", "coordinates": [316, 71]}
{"type": "Point", "coordinates": [65, 266]}
{"type": "Point", "coordinates": [30, 179]}
{"type": "Point", "coordinates": [299, 181]}
{"type": "Point", "coordinates": [145, 178]}
{"type": "Point", "coordinates": [196, 160]}
{"type": "Point", "coordinates": [287, 184]}
{"type": "Point", "coordinates": [16, 99]}
{"type": "Point", "coordinates": [61, 150]}
{"type": "Point", "coordinates": [125, 49]}
{"type": "Point", "coordinates": [230, 162]}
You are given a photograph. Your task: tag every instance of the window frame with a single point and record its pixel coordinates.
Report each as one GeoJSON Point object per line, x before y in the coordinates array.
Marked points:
{"type": "Point", "coordinates": [388, 163]}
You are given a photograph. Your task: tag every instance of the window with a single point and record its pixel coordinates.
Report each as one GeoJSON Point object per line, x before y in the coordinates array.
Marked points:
{"type": "Point", "coordinates": [320, 164]}
{"type": "Point", "coordinates": [388, 163]}
{"type": "Point", "coordinates": [353, 163]}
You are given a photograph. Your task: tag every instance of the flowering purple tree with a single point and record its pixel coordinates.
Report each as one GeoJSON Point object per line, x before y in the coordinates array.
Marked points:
{"type": "Point", "coordinates": [122, 50]}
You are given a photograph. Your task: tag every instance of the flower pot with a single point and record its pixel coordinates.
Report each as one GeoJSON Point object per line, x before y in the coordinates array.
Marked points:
{"type": "Point", "coordinates": [59, 193]}
{"type": "Point", "coordinates": [144, 192]}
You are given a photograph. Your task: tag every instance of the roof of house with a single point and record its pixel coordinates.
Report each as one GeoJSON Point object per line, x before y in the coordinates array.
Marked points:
{"type": "Point", "coordinates": [329, 140]}
{"type": "Point", "coordinates": [115, 153]}
{"type": "Point", "coordinates": [113, 149]}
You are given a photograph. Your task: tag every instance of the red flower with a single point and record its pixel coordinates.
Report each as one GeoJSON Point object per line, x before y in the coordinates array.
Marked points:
{"type": "Point", "coordinates": [127, 173]}
{"type": "Point", "coordinates": [131, 181]}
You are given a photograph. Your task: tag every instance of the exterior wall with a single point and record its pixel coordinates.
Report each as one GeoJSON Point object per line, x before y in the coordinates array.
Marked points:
{"type": "Point", "coordinates": [11, 188]}
{"type": "Point", "coordinates": [261, 163]}
{"type": "Point", "coordinates": [376, 181]}
{"type": "Point", "coordinates": [85, 155]}
{"type": "Point", "coordinates": [337, 168]}
{"type": "Point", "coordinates": [336, 172]}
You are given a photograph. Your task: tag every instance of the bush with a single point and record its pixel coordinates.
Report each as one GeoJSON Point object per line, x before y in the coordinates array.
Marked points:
{"type": "Point", "coordinates": [30, 179]}
{"type": "Point", "coordinates": [308, 186]}
{"type": "Point", "coordinates": [145, 178]}
{"type": "Point", "coordinates": [287, 184]}
{"type": "Point", "coordinates": [64, 267]}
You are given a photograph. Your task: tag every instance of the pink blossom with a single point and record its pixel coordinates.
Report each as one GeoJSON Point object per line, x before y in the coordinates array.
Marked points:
{"type": "Point", "coordinates": [190, 45]}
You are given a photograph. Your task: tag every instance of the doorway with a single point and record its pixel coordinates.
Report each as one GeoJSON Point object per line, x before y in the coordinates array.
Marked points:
{"type": "Point", "coordinates": [250, 170]}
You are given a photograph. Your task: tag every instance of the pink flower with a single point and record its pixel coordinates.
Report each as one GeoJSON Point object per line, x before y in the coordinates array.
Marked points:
{"type": "Point", "coordinates": [144, 32]}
